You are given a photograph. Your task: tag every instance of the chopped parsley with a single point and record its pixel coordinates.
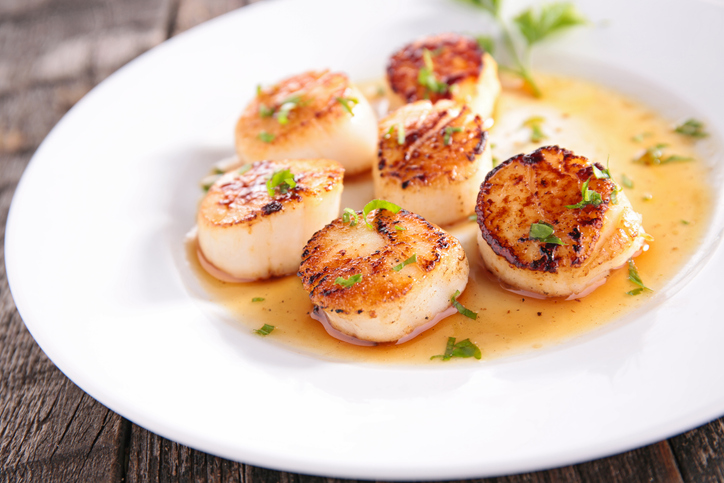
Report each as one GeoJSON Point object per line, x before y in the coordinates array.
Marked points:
{"type": "Point", "coordinates": [536, 132]}
{"type": "Point", "coordinates": [401, 134]}
{"type": "Point", "coordinates": [692, 128]}
{"type": "Point", "coordinates": [266, 137]}
{"type": "Point", "coordinates": [486, 43]}
{"type": "Point", "coordinates": [265, 330]}
{"type": "Point", "coordinates": [348, 103]}
{"type": "Point", "coordinates": [426, 76]}
{"type": "Point", "coordinates": [447, 135]}
{"type": "Point", "coordinates": [462, 349]}
{"type": "Point", "coordinates": [589, 197]}
{"type": "Point", "coordinates": [627, 182]}
{"type": "Point", "coordinates": [258, 299]}
{"type": "Point", "coordinates": [633, 276]}
{"type": "Point", "coordinates": [400, 228]}
{"type": "Point", "coordinates": [265, 111]}
{"type": "Point", "coordinates": [640, 137]}
{"type": "Point", "coordinates": [350, 216]}
{"type": "Point", "coordinates": [349, 281]}
{"type": "Point", "coordinates": [378, 205]}
{"type": "Point", "coordinates": [282, 181]}
{"type": "Point", "coordinates": [543, 231]}
{"type": "Point", "coordinates": [466, 312]}
{"type": "Point", "coordinates": [412, 259]}
{"type": "Point", "coordinates": [654, 156]}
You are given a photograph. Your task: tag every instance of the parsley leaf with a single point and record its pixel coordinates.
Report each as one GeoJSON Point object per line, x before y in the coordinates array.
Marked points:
{"type": "Point", "coordinates": [266, 137]}
{"type": "Point", "coordinates": [349, 281]}
{"type": "Point", "coordinates": [654, 156]}
{"type": "Point", "coordinates": [426, 76]}
{"type": "Point", "coordinates": [265, 330]}
{"type": "Point", "coordinates": [412, 259]}
{"type": "Point", "coordinates": [348, 103]}
{"type": "Point", "coordinates": [447, 135]}
{"type": "Point", "coordinates": [282, 180]}
{"type": "Point", "coordinates": [350, 216]}
{"type": "Point", "coordinates": [258, 299]}
{"type": "Point", "coordinates": [536, 133]}
{"type": "Point", "coordinates": [550, 19]}
{"type": "Point", "coordinates": [627, 182]}
{"type": "Point", "coordinates": [460, 308]}
{"type": "Point", "coordinates": [462, 349]}
{"type": "Point", "coordinates": [633, 276]}
{"type": "Point", "coordinates": [378, 205]}
{"type": "Point", "coordinates": [589, 197]}
{"type": "Point", "coordinates": [542, 231]}
{"type": "Point", "coordinates": [486, 43]}
{"type": "Point", "coordinates": [692, 128]}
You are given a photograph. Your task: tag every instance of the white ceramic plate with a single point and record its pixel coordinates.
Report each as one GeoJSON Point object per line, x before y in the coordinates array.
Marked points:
{"type": "Point", "coordinates": [93, 253]}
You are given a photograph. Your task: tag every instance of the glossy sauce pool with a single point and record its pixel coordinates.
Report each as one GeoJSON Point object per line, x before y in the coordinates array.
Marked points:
{"type": "Point", "coordinates": [590, 120]}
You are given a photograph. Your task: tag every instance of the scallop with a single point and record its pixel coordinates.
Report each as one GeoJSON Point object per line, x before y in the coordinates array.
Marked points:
{"type": "Point", "coordinates": [310, 115]}
{"type": "Point", "coordinates": [386, 283]}
{"type": "Point", "coordinates": [446, 66]}
{"type": "Point", "coordinates": [554, 225]}
{"type": "Point", "coordinates": [432, 160]}
{"type": "Point", "coordinates": [254, 221]}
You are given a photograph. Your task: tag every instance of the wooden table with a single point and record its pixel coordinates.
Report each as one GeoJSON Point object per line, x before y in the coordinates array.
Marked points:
{"type": "Point", "coordinates": [52, 52]}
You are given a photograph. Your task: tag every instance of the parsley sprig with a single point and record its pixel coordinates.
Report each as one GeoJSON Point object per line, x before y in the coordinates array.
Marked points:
{"type": "Point", "coordinates": [533, 27]}
{"type": "Point", "coordinates": [462, 349]}
{"type": "Point", "coordinates": [265, 330]}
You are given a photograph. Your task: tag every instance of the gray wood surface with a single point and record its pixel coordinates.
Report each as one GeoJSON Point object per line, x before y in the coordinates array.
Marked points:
{"type": "Point", "coordinates": [52, 52]}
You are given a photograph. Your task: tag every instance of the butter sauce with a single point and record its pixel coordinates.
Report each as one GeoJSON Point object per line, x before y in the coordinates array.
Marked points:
{"type": "Point", "coordinates": [588, 119]}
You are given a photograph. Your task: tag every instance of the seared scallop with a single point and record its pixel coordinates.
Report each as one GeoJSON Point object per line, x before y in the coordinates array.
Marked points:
{"type": "Point", "coordinates": [446, 66]}
{"type": "Point", "coordinates": [385, 283]}
{"type": "Point", "coordinates": [310, 115]}
{"type": "Point", "coordinates": [553, 224]}
{"type": "Point", "coordinates": [432, 160]}
{"type": "Point", "coordinates": [254, 221]}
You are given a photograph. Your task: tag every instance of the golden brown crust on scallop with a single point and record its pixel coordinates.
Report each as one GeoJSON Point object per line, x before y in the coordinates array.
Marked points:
{"type": "Point", "coordinates": [316, 106]}
{"type": "Point", "coordinates": [425, 158]}
{"type": "Point", "coordinates": [242, 197]}
{"type": "Point", "coordinates": [535, 188]}
{"type": "Point", "coordinates": [325, 258]}
{"type": "Point", "coordinates": [456, 59]}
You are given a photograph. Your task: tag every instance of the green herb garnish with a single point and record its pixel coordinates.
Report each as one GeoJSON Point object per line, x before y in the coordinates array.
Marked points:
{"type": "Point", "coordinates": [536, 132]}
{"type": "Point", "coordinates": [348, 103]}
{"type": "Point", "coordinates": [466, 312]}
{"type": "Point", "coordinates": [412, 259]}
{"type": "Point", "coordinates": [486, 43]}
{"type": "Point", "coordinates": [265, 111]}
{"type": "Point", "coordinates": [685, 222]}
{"type": "Point", "coordinates": [265, 330]}
{"type": "Point", "coordinates": [640, 137]}
{"type": "Point", "coordinates": [533, 27]}
{"type": "Point", "coordinates": [266, 137]}
{"type": "Point", "coordinates": [258, 299]}
{"type": "Point", "coordinates": [282, 180]}
{"type": "Point", "coordinates": [209, 181]}
{"type": "Point", "coordinates": [692, 128]}
{"type": "Point", "coordinates": [589, 197]}
{"type": "Point", "coordinates": [426, 76]}
{"type": "Point", "coordinates": [654, 156]}
{"type": "Point", "coordinates": [350, 216]}
{"type": "Point", "coordinates": [633, 276]}
{"type": "Point", "coordinates": [627, 182]}
{"type": "Point", "coordinates": [286, 107]}
{"type": "Point", "coordinates": [400, 134]}
{"type": "Point", "coordinates": [349, 281]}
{"type": "Point", "coordinates": [543, 231]}
{"type": "Point", "coordinates": [447, 136]}
{"type": "Point", "coordinates": [473, 217]}
{"type": "Point", "coordinates": [462, 349]}
{"type": "Point", "coordinates": [378, 205]}
{"type": "Point", "coordinates": [400, 228]}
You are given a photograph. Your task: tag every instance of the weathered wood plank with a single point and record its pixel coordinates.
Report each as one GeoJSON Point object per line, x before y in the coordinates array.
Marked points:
{"type": "Point", "coordinates": [193, 12]}
{"type": "Point", "coordinates": [700, 453]}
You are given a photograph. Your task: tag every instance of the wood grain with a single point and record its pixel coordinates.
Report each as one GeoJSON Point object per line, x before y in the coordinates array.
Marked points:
{"type": "Point", "coordinates": [52, 52]}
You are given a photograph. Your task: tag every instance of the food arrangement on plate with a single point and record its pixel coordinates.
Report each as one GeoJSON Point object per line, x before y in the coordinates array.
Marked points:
{"type": "Point", "coordinates": [551, 226]}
